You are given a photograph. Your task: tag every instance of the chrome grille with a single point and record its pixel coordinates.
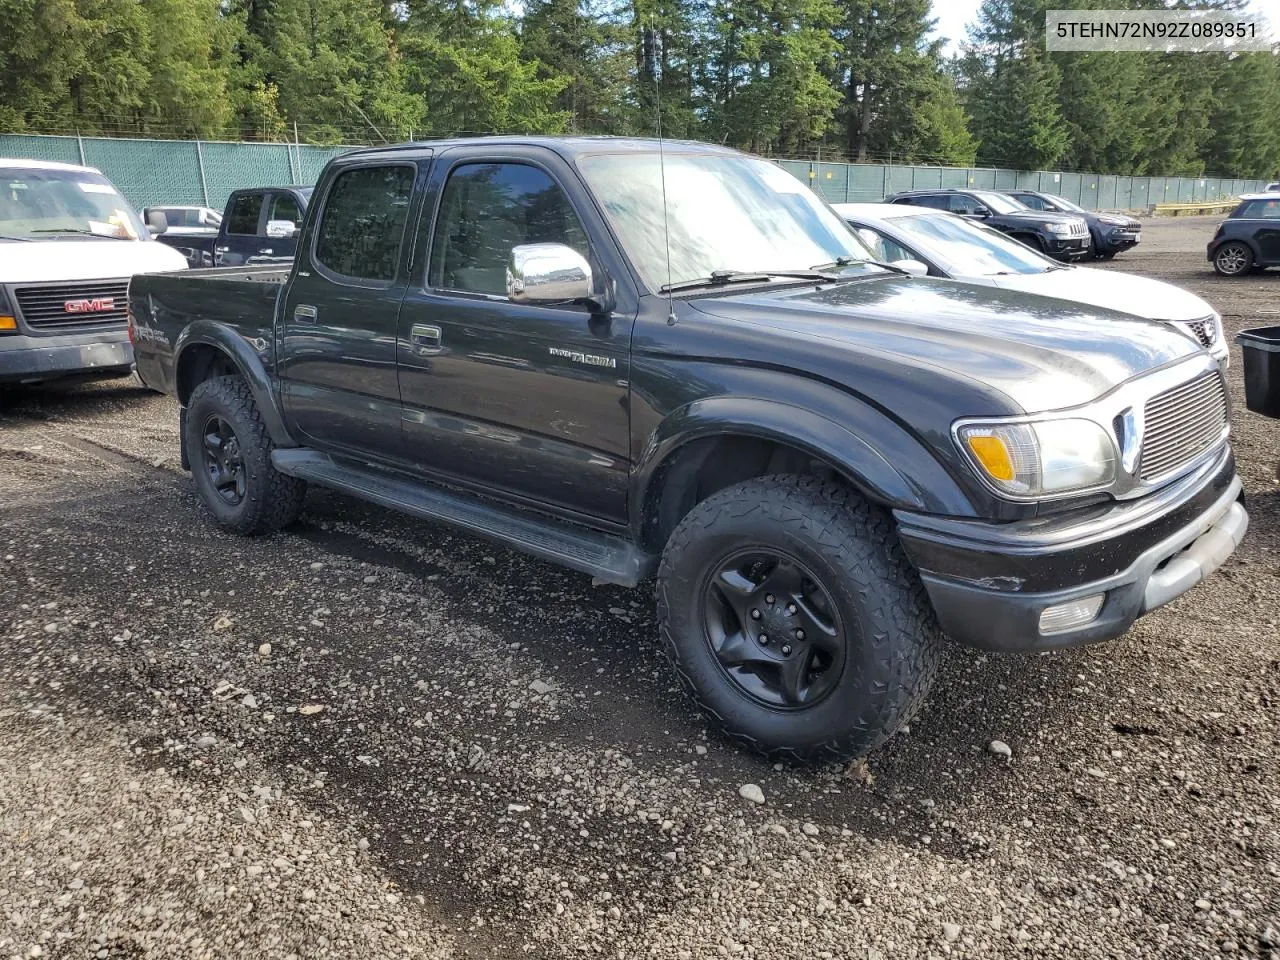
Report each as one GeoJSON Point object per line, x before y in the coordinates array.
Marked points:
{"type": "Point", "coordinates": [1181, 424]}
{"type": "Point", "coordinates": [1204, 330]}
{"type": "Point", "coordinates": [87, 303]}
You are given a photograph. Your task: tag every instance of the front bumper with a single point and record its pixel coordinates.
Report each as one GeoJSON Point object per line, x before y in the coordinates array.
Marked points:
{"type": "Point", "coordinates": [26, 359]}
{"type": "Point", "coordinates": [989, 583]}
{"type": "Point", "coordinates": [1117, 241]}
{"type": "Point", "coordinates": [1069, 248]}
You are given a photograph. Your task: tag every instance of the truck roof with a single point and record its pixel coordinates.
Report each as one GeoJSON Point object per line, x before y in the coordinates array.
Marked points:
{"type": "Point", "coordinates": [46, 165]}
{"type": "Point", "coordinates": [565, 146]}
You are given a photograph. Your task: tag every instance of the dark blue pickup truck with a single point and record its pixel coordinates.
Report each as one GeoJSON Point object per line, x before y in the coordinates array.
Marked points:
{"type": "Point", "coordinates": [260, 225]}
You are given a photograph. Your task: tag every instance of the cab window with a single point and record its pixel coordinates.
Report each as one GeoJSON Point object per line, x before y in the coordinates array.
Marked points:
{"type": "Point", "coordinates": [884, 249]}
{"type": "Point", "coordinates": [284, 206]}
{"type": "Point", "coordinates": [486, 209]}
{"type": "Point", "coordinates": [964, 204]}
{"type": "Point", "coordinates": [244, 215]}
{"type": "Point", "coordinates": [362, 224]}
{"type": "Point", "coordinates": [1034, 202]}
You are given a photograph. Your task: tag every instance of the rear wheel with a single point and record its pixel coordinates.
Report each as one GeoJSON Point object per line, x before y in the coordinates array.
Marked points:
{"type": "Point", "coordinates": [229, 450]}
{"type": "Point", "coordinates": [1233, 259]}
{"type": "Point", "coordinates": [792, 615]}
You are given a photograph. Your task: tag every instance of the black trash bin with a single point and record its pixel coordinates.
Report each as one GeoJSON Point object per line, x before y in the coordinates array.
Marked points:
{"type": "Point", "coordinates": [1261, 347]}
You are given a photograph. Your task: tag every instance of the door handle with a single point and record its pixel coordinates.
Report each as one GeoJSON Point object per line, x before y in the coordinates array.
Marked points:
{"type": "Point", "coordinates": [265, 250]}
{"type": "Point", "coordinates": [426, 339]}
{"type": "Point", "coordinates": [305, 313]}
{"type": "Point", "coordinates": [221, 249]}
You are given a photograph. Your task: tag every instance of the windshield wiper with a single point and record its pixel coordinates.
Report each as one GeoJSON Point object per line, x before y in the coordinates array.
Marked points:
{"type": "Point", "coordinates": [850, 261]}
{"type": "Point", "coordinates": [76, 231]}
{"type": "Point", "coordinates": [720, 278]}
{"type": "Point", "coordinates": [5, 236]}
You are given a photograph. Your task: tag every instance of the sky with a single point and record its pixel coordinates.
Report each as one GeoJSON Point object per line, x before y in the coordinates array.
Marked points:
{"type": "Point", "coordinates": [954, 16]}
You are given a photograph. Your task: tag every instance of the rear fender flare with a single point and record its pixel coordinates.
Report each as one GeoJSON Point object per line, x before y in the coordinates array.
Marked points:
{"type": "Point", "coordinates": [246, 354]}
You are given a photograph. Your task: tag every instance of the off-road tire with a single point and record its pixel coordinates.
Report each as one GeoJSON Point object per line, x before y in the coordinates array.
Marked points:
{"type": "Point", "coordinates": [272, 500]}
{"type": "Point", "coordinates": [892, 651]}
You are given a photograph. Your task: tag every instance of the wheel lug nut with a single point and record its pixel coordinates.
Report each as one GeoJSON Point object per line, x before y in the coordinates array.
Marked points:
{"type": "Point", "coordinates": [764, 639]}
{"type": "Point", "coordinates": [768, 598]}
{"type": "Point", "coordinates": [786, 648]}
{"type": "Point", "coordinates": [755, 614]}
{"type": "Point", "coordinates": [791, 608]}
{"type": "Point", "coordinates": [799, 634]}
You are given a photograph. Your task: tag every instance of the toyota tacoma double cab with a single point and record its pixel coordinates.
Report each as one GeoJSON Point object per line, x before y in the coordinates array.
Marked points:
{"type": "Point", "coordinates": [674, 361]}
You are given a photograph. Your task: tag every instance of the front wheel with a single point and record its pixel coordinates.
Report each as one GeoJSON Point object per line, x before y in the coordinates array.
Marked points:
{"type": "Point", "coordinates": [1233, 259]}
{"type": "Point", "coordinates": [230, 454]}
{"type": "Point", "coordinates": [793, 617]}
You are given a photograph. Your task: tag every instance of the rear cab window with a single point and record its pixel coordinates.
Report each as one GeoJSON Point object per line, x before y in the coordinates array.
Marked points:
{"type": "Point", "coordinates": [362, 223]}
{"type": "Point", "coordinates": [245, 213]}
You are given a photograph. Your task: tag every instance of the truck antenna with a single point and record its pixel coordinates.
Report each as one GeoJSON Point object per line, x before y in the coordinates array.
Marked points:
{"type": "Point", "coordinates": [662, 172]}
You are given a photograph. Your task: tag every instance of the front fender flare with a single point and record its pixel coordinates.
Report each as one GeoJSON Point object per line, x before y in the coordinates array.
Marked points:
{"type": "Point", "coordinates": [247, 358]}
{"type": "Point", "coordinates": [874, 453]}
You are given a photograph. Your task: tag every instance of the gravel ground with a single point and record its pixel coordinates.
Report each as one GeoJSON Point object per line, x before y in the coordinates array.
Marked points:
{"type": "Point", "coordinates": [370, 737]}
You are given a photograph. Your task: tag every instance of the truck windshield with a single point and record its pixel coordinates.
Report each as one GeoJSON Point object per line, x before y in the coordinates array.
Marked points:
{"type": "Point", "coordinates": [40, 204]}
{"type": "Point", "coordinates": [967, 249]}
{"type": "Point", "coordinates": [724, 213]}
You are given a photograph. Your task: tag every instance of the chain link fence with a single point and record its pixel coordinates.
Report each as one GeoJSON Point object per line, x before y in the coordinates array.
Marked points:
{"type": "Point", "coordinates": [869, 182]}
{"type": "Point", "coordinates": [188, 172]}
{"type": "Point", "coordinates": [151, 172]}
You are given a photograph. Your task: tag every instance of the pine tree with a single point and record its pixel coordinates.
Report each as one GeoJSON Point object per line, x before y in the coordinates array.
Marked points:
{"type": "Point", "coordinates": [575, 41]}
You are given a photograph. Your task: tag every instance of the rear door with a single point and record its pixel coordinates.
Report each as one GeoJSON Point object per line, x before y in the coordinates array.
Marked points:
{"type": "Point", "coordinates": [243, 228]}
{"type": "Point", "coordinates": [337, 328]}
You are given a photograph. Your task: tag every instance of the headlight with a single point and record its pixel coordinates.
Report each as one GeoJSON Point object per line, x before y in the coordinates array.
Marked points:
{"type": "Point", "coordinates": [8, 323]}
{"type": "Point", "coordinates": [1061, 229]}
{"type": "Point", "coordinates": [1040, 458]}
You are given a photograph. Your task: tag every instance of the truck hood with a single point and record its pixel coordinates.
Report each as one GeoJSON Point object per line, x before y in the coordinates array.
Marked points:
{"type": "Point", "coordinates": [1040, 353]}
{"type": "Point", "coordinates": [45, 261]}
{"type": "Point", "coordinates": [1120, 292]}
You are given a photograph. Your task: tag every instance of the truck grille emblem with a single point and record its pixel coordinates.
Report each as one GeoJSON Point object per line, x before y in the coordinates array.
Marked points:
{"type": "Point", "coordinates": [96, 305]}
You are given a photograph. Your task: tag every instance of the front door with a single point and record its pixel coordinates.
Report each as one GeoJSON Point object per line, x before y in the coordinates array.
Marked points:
{"type": "Point", "coordinates": [1266, 214]}
{"type": "Point", "coordinates": [529, 400]}
{"type": "Point", "coordinates": [337, 331]}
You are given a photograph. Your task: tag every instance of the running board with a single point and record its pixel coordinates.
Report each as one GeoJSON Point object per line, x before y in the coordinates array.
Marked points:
{"type": "Point", "coordinates": [604, 557]}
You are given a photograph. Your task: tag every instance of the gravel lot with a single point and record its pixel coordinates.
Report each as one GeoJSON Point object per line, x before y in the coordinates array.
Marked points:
{"type": "Point", "coordinates": [370, 737]}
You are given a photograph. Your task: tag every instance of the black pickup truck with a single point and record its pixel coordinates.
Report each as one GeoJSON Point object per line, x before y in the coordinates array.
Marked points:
{"type": "Point", "coordinates": [259, 225]}
{"type": "Point", "coordinates": [827, 464]}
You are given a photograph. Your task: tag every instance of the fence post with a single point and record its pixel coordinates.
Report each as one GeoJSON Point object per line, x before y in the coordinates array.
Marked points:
{"type": "Point", "coordinates": [884, 186]}
{"type": "Point", "coordinates": [80, 147]}
{"type": "Point", "coordinates": [204, 186]}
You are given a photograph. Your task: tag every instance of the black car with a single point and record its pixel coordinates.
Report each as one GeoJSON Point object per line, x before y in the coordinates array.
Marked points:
{"type": "Point", "coordinates": [1112, 233]}
{"type": "Point", "coordinates": [1249, 238]}
{"type": "Point", "coordinates": [1061, 236]}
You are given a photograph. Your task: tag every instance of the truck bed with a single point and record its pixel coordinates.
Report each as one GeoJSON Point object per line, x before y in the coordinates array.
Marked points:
{"type": "Point", "coordinates": [163, 305]}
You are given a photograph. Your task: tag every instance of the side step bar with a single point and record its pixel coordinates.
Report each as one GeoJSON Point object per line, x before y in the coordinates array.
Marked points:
{"type": "Point", "coordinates": [605, 557]}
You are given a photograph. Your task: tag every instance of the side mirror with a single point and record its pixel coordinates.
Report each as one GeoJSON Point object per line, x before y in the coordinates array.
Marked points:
{"type": "Point", "coordinates": [547, 273]}
{"type": "Point", "coordinates": [157, 222]}
{"type": "Point", "coordinates": [913, 267]}
{"type": "Point", "coordinates": [980, 214]}
{"type": "Point", "coordinates": [281, 229]}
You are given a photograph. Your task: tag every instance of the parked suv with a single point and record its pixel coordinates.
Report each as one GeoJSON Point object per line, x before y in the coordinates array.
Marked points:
{"type": "Point", "coordinates": [1112, 233]}
{"type": "Point", "coordinates": [1249, 238]}
{"type": "Point", "coordinates": [826, 464]}
{"type": "Point", "coordinates": [1061, 236]}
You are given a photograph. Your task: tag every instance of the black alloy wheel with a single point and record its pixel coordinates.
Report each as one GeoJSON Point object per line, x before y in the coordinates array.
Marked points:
{"type": "Point", "coordinates": [223, 460]}
{"type": "Point", "coordinates": [773, 627]}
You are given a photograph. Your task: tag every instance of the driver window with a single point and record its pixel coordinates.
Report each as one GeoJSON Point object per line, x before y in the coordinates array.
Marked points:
{"type": "Point", "coordinates": [485, 210]}
{"type": "Point", "coordinates": [965, 205]}
{"type": "Point", "coordinates": [1035, 203]}
{"type": "Point", "coordinates": [884, 249]}
{"type": "Point", "coordinates": [285, 207]}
